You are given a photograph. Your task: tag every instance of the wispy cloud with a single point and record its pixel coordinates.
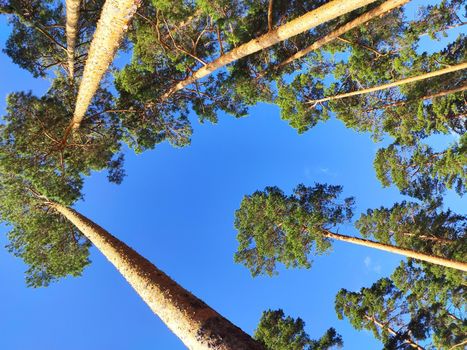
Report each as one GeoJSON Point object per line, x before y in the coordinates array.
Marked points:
{"type": "Point", "coordinates": [372, 266]}
{"type": "Point", "coordinates": [312, 172]}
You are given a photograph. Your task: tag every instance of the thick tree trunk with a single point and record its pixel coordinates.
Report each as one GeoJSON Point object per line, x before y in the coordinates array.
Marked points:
{"type": "Point", "coordinates": [299, 25]}
{"type": "Point", "coordinates": [195, 323]}
{"type": "Point", "coordinates": [401, 251]}
{"type": "Point", "coordinates": [367, 16]}
{"type": "Point", "coordinates": [72, 17]}
{"type": "Point", "coordinates": [447, 70]}
{"type": "Point", "coordinates": [114, 20]}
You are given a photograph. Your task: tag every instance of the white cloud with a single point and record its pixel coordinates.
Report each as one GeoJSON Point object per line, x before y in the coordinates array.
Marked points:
{"type": "Point", "coordinates": [371, 266]}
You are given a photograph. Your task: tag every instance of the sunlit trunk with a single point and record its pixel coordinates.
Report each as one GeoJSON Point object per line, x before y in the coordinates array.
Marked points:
{"type": "Point", "coordinates": [72, 17]}
{"type": "Point", "coordinates": [299, 25]}
{"type": "Point", "coordinates": [197, 325]}
{"type": "Point", "coordinates": [396, 250]}
{"type": "Point", "coordinates": [113, 22]}
{"type": "Point", "coordinates": [367, 16]}
{"type": "Point", "coordinates": [414, 79]}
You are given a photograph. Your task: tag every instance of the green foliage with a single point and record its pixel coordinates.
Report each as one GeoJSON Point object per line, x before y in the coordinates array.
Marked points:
{"type": "Point", "coordinates": [422, 227]}
{"type": "Point", "coordinates": [414, 307]}
{"type": "Point", "coordinates": [39, 164]}
{"type": "Point", "coordinates": [32, 139]}
{"type": "Point", "coordinates": [273, 227]}
{"type": "Point", "coordinates": [278, 332]}
{"type": "Point", "coordinates": [37, 42]}
{"type": "Point", "coordinates": [422, 173]}
{"type": "Point", "coordinates": [50, 246]}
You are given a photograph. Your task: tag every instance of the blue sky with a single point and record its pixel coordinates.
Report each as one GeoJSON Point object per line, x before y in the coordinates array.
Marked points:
{"type": "Point", "coordinates": [176, 208]}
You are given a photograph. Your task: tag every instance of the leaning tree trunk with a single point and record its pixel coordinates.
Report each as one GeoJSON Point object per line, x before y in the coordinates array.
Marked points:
{"type": "Point", "coordinates": [450, 69]}
{"type": "Point", "coordinates": [72, 17]}
{"type": "Point", "coordinates": [423, 98]}
{"type": "Point", "coordinates": [367, 16]}
{"type": "Point", "coordinates": [114, 19]}
{"type": "Point", "coordinates": [299, 25]}
{"type": "Point", "coordinates": [393, 332]}
{"type": "Point", "coordinates": [195, 323]}
{"type": "Point", "coordinates": [396, 250]}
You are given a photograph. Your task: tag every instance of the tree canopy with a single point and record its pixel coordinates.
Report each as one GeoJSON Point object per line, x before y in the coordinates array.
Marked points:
{"type": "Point", "coordinates": [279, 332]}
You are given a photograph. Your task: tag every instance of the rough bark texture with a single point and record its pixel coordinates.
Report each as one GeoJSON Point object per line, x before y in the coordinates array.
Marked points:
{"type": "Point", "coordinates": [396, 83]}
{"type": "Point", "coordinates": [299, 25]}
{"type": "Point", "coordinates": [401, 251]}
{"type": "Point", "coordinates": [115, 16]}
{"type": "Point", "coordinates": [193, 321]}
{"type": "Point", "coordinates": [72, 17]}
{"type": "Point", "coordinates": [377, 11]}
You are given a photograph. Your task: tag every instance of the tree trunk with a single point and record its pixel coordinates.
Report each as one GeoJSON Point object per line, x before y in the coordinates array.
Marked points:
{"type": "Point", "coordinates": [195, 323]}
{"type": "Point", "coordinates": [72, 17]}
{"type": "Point", "coordinates": [401, 251]}
{"type": "Point", "coordinates": [427, 97]}
{"type": "Point", "coordinates": [270, 14]}
{"type": "Point", "coordinates": [367, 16]}
{"type": "Point", "coordinates": [299, 25]}
{"type": "Point", "coordinates": [393, 332]}
{"type": "Point", "coordinates": [450, 69]}
{"type": "Point", "coordinates": [114, 19]}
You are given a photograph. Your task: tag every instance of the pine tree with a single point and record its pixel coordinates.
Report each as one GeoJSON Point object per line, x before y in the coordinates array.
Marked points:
{"type": "Point", "coordinates": [308, 21]}
{"type": "Point", "coordinates": [31, 138]}
{"type": "Point", "coordinates": [408, 310]}
{"type": "Point", "coordinates": [273, 227]}
{"type": "Point", "coordinates": [196, 324]}
{"type": "Point", "coordinates": [38, 41]}
{"type": "Point", "coordinates": [279, 332]}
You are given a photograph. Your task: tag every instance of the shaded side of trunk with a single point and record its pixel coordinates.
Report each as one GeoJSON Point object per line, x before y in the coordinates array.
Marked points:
{"type": "Point", "coordinates": [114, 20]}
{"type": "Point", "coordinates": [72, 17]}
{"type": "Point", "coordinates": [414, 79]}
{"type": "Point", "coordinates": [299, 25]}
{"type": "Point", "coordinates": [193, 321]}
{"type": "Point", "coordinates": [401, 251]}
{"type": "Point", "coordinates": [367, 16]}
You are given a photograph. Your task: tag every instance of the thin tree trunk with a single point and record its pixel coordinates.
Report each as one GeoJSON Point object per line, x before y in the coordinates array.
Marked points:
{"type": "Point", "coordinates": [394, 84]}
{"type": "Point", "coordinates": [194, 322]}
{"type": "Point", "coordinates": [396, 250]}
{"type": "Point", "coordinates": [367, 16]}
{"type": "Point", "coordinates": [393, 332]}
{"type": "Point", "coordinates": [270, 14]}
{"type": "Point", "coordinates": [72, 17]}
{"type": "Point", "coordinates": [427, 97]}
{"type": "Point", "coordinates": [299, 25]}
{"type": "Point", "coordinates": [458, 345]}
{"type": "Point", "coordinates": [114, 20]}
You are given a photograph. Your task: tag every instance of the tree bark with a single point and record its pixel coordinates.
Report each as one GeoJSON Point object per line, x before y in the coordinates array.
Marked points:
{"type": "Point", "coordinates": [393, 332]}
{"type": "Point", "coordinates": [367, 16]}
{"type": "Point", "coordinates": [72, 17]}
{"type": "Point", "coordinates": [114, 20]}
{"type": "Point", "coordinates": [414, 79]}
{"type": "Point", "coordinates": [194, 322]}
{"type": "Point", "coordinates": [427, 97]}
{"type": "Point", "coordinates": [299, 25]}
{"type": "Point", "coordinates": [396, 250]}
{"type": "Point", "coordinates": [270, 14]}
